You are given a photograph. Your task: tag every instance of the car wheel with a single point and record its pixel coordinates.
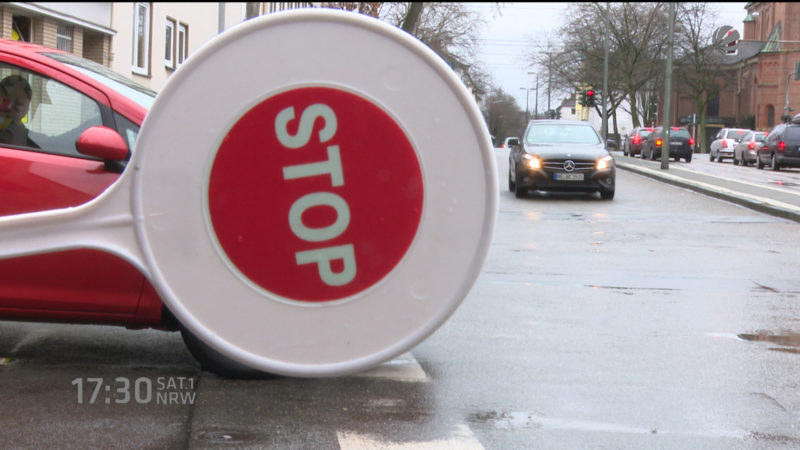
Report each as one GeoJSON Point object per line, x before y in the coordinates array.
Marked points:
{"type": "Point", "coordinates": [689, 158]}
{"type": "Point", "coordinates": [711, 157]}
{"type": "Point", "coordinates": [773, 164]}
{"type": "Point", "coordinates": [511, 184]}
{"type": "Point", "coordinates": [217, 363]}
{"type": "Point", "coordinates": [759, 164]}
{"type": "Point", "coordinates": [735, 161]}
{"type": "Point", "coordinates": [606, 194]}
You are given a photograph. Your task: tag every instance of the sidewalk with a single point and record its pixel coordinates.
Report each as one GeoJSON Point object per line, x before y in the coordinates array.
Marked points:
{"type": "Point", "coordinates": [759, 198]}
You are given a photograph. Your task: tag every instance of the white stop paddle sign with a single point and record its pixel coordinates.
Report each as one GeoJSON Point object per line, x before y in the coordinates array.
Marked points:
{"type": "Point", "coordinates": [313, 193]}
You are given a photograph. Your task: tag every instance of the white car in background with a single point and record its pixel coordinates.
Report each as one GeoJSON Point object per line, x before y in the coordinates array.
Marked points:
{"type": "Point", "coordinates": [722, 146]}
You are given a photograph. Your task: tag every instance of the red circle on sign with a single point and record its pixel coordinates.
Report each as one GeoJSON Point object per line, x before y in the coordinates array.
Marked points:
{"type": "Point", "coordinates": [315, 194]}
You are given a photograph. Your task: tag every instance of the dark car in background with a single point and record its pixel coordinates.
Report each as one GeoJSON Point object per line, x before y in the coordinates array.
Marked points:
{"type": "Point", "coordinates": [681, 144]}
{"type": "Point", "coordinates": [781, 147]}
{"type": "Point", "coordinates": [745, 151]}
{"type": "Point", "coordinates": [722, 145]}
{"type": "Point", "coordinates": [561, 155]}
{"type": "Point", "coordinates": [632, 145]}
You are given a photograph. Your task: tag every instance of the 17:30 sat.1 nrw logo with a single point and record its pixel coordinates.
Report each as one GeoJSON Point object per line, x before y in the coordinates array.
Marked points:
{"type": "Point", "coordinates": [141, 390]}
{"type": "Point", "coordinates": [315, 194]}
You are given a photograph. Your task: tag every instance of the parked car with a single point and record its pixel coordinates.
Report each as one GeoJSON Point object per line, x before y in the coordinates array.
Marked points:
{"type": "Point", "coordinates": [561, 155]}
{"type": "Point", "coordinates": [632, 145]}
{"type": "Point", "coordinates": [781, 146]}
{"type": "Point", "coordinates": [681, 144]}
{"type": "Point", "coordinates": [509, 141]}
{"type": "Point", "coordinates": [744, 152]}
{"type": "Point", "coordinates": [722, 145]}
{"type": "Point", "coordinates": [69, 126]}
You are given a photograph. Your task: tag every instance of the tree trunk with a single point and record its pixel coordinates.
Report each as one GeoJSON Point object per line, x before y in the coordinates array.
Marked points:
{"type": "Point", "coordinates": [412, 17]}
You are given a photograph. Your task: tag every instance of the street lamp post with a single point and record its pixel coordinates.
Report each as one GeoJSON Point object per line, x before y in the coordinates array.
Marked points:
{"type": "Point", "coordinates": [536, 88]}
{"type": "Point", "coordinates": [786, 101]}
{"type": "Point", "coordinates": [527, 91]}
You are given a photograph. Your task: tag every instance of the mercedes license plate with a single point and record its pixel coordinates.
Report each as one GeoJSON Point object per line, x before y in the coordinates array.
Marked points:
{"type": "Point", "coordinates": [568, 176]}
{"type": "Point", "coordinates": [675, 143]}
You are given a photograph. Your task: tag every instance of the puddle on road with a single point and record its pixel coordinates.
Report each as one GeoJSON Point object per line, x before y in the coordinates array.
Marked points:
{"type": "Point", "coordinates": [225, 437]}
{"type": "Point", "coordinates": [783, 183]}
{"type": "Point", "coordinates": [789, 340]}
{"type": "Point", "coordinates": [628, 290]}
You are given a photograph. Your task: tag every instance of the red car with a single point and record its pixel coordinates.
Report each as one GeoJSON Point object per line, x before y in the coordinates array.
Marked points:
{"type": "Point", "coordinates": [61, 119]}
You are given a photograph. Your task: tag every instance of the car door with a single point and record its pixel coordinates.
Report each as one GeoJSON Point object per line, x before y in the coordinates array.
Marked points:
{"type": "Point", "coordinates": [47, 172]}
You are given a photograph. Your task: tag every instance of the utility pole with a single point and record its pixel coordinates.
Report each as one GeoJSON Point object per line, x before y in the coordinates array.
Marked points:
{"type": "Point", "coordinates": [549, 76]}
{"type": "Point", "coordinates": [665, 118]}
{"type": "Point", "coordinates": [604, 97]}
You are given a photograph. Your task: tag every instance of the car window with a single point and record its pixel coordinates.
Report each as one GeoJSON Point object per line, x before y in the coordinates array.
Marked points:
{"type": "Point", "coordinates": [55, 117]}
{"type": "Point", "coordinates": [793, 134]}
{"type": "Point", "coordinates": [760, 137]}
{"type": "Point", "coordinates": [645, 133]}
{"type": "Point", "coordinates": [681, 132]}
{"type": "Point", "coordinates": [551, 133]}
{"type": "Point", "coordinates": [747, 137]}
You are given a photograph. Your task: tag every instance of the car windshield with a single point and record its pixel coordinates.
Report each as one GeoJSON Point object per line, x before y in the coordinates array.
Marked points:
{"type": "Point", "coordinates": [680, 132]}
{"type": "Point", "coordinates": [555, 133]}
{"type": "Point", "coordinates": [134, 91]}
{"type": "Point", "coordinates": [736, 134]}
{"type": "Point", "coordinates": [760, 137]}
{"type": "Point", "coordinates": [645, 133]}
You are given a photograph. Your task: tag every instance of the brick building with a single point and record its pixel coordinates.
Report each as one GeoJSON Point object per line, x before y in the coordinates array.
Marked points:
{"type": "Point", "coordinates": [758, 85]}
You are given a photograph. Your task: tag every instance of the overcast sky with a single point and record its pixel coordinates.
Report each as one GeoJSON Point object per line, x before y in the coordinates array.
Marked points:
{"type": "Point", "coordinates": [511, 29]}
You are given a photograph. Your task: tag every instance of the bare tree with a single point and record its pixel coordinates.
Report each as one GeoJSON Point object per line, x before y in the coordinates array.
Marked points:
{"type": "Point", "coordinates": [503, 116]}
{"type": "Point", "coordinates": [637, 39]}
{"type": "Point", "coordinates": [449, 29]}
{"type": "Point", "coordinates": [698, 59]}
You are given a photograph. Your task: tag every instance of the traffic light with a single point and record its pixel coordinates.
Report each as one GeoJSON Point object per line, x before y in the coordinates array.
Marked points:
{"type": "Point", "coordinates": [582, 97]}
{"type": "Point", "coordinates": [590, 98]}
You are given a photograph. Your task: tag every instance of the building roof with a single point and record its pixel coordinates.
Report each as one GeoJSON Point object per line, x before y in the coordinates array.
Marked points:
{"type": "Point", "coordinates": [773, 40]}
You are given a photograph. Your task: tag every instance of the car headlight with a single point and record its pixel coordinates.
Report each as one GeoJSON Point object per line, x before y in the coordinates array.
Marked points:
{"type": "Point", "coordinates": [533, 162]}
{"type": "Point", "coordinates": [603, 163]}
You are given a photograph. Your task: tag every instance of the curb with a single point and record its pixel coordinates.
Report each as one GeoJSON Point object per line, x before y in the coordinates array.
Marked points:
{"type": "Point", "coordinates": [761, 204]}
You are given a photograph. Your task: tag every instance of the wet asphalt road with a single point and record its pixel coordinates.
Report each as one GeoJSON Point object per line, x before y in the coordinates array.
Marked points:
{"type": "Point", "coordinates": [662, 319]}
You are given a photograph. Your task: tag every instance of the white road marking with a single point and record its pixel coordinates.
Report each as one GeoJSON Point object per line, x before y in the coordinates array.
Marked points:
{"type": "Point", "coordinates": [460, 439]}
{"type": "Point", "coordinates": [402, 368]}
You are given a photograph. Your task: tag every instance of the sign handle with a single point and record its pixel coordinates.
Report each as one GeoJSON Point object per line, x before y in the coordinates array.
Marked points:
{"type": "Point", "coordinates": [104, 223]}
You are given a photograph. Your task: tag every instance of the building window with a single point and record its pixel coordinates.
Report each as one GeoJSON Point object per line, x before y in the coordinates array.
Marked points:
{"type": "Point", "coordinates": [770, 116]}
{"type": "Point", "coordinates": [141, 38]}
{"type": "Point", "coordinates": [64, 37]}
{"type": "Point", "coordinates": [183, 42]}
{"type": "Point", "coordinates": [169, 48]}
{"type": "Point", "coordinates": [21, 28]}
